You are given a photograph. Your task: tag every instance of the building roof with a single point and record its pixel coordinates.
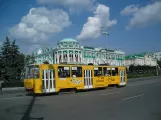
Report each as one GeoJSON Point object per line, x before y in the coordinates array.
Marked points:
{"type": "Point", "coordinates": [87, 47]}
{"type": "Point", "coordinates": [134, 56]}
{"type": "Point", "coordinates": [68, 40]}
{"type": "Point", "coordinates": [140, 55]}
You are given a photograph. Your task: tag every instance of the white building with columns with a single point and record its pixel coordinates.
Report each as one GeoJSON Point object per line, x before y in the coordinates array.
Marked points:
{"type": "Point", "coordinates": [141, 59]}
{"type": "Point", "coordinates": [69, 50]}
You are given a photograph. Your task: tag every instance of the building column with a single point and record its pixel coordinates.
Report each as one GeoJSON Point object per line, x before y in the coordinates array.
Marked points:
{"type": "Point", "coordinates": [68, 56]}
{"type": "Point", "coordinates": [62, 59]}
{"type": "Point", "coordinates": [81, 58]}
{"type": "Point", "coordinates": [55, 55]}
{"type": "Point", "coordinates": [49, 57]}
{"type": "Point", "coordinates": [74, 56]}
{"type": "Point", "coordinates": [78, 57]}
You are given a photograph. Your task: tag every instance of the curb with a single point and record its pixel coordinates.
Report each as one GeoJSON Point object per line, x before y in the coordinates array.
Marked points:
{"type": "Point", "coordinates": [144, 78]}
{"type": "Point", "coordinates": [14, 88]}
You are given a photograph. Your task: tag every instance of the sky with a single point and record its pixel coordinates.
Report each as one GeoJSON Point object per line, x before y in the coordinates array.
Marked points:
{"type": "Point", "coordinates": [133, 26]}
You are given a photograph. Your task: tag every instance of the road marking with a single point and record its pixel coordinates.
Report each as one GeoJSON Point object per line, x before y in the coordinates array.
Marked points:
{"type": "Point", "coordinates": [143, 83]}
{"type": "Point", "coordinates": [13, 98]}
{"type": "Point", "coordinates": [110, 93]}
{"type": "Point", "coordinates": [133, 97]}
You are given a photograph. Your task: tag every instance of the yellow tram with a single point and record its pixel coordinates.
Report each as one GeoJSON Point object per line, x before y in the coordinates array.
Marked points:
{"type": "Point", "coordinates": [52, 78]}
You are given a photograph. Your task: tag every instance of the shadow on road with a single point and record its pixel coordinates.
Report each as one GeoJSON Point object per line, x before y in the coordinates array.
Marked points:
{"type": "Point", "coordinates": [27, 113]}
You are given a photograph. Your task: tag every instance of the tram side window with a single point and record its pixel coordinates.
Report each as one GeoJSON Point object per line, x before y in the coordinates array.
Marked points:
{"type": "Point", "coordinates": [106, 71]}
{"type": "Point", "coordinates": [36, 72]}
{"type": "Point", "coordinates": [63, 72]}
{"type": "Point", "coordinates": [98, 71]}
{"type": "Point", "coordinates": [77, 71]}
{"type": "Point", "coordinates": [32, 72]}
{"type": "Point", "coordinates": [28, 72]}
{"type": "Point", "coordinates": [114, 71]}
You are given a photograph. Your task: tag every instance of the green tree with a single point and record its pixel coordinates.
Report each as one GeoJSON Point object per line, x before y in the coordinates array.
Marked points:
{"type": "Point", "coordinates": [0, 65]}
{"type": "Point", "coordinates": [5, 60]}
{"type": "Point", "coordinates": [159, 63]}
{"type": "Point", "coordinates": [32, 59]}
{"type": "Point", "coordinates": [22, 64]}
{"type": "Point", "coordinates": [22, 60]}
{"type": "Point", "coordinates": [15, 62]}
{"type": "Point", "coordinates": [135, 69]}
{"type": "Point", "coordinates": [27, 59]}
{"type": "Point", "coordinates": [131, 68]}
{"type": "Point", "coordinates": [146, 68]}
{"type": "Point", "coordinates": [139, 68]}
{"type": "Point", "coordinates": [11, 62]}
{"type": "Point", "coordinates": [142, 69]}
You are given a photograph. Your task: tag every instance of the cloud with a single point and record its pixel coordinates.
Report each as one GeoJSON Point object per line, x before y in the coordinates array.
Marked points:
{"type": "Point", "coordinates": [129, 10]}
{"type": "Point", "coordinates": [146, 15]}
{"type": "Point", "coordinates": [72, 5]}
{"type": "Point", "coordinates": [40, 24]}
{"type": "Point", "coordinates": [91, 29]}
{"type": "Point", "coordinates": [33, 48]}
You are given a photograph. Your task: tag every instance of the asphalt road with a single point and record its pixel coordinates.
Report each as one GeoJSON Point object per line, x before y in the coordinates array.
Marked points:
{"type": "Point", "coordinates": [139, 100]}
{"type": "Point", "coordinates": [12, 92]}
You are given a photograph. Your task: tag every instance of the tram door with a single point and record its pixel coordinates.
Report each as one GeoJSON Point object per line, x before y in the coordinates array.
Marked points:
{"type": "Point", "coordinates": [48, 81]}
{"type": "Point", "coordinates": [88, 79]}
{"type": "Point", "coordinates": [122, 77]}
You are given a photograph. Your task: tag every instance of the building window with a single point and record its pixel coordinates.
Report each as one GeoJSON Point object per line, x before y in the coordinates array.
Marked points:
{"type": "Point", "coordinates": [85, 54]}
{"type": "Point", "coordinates": [97, 55]}
{"type": "Point", "coordinates": [90, 54]}
{"type": "Point", "coordinates": [70, 44]}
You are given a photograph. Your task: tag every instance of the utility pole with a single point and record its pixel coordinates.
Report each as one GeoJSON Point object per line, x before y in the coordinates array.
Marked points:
{"type": "Point", "coordinates": [156, 62]}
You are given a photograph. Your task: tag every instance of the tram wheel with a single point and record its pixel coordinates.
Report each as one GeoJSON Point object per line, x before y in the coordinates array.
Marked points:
{"type": "Point", "coordinates": [73, 91]}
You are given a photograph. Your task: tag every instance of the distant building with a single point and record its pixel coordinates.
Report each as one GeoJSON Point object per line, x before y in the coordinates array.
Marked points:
{"type": "Point", "coordinates": [157, 55]}
{"type": "Point", "coordinates": [141, 59]}
{"type": "Point", "coordinates": [69, 50]}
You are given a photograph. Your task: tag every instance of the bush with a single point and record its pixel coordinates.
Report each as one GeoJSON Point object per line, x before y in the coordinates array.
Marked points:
{"type": "Point", "coordinates": [12, 84]}
{"type": "Point", "coordinates": [143, 75]}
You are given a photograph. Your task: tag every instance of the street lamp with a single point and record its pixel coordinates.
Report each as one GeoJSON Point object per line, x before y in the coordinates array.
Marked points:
{"type": "Point", "coordinates": [103, 28]}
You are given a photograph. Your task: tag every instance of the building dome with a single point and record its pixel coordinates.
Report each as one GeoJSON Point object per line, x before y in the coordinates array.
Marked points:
{"type": "Point", "coordinates": [67, 42]}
